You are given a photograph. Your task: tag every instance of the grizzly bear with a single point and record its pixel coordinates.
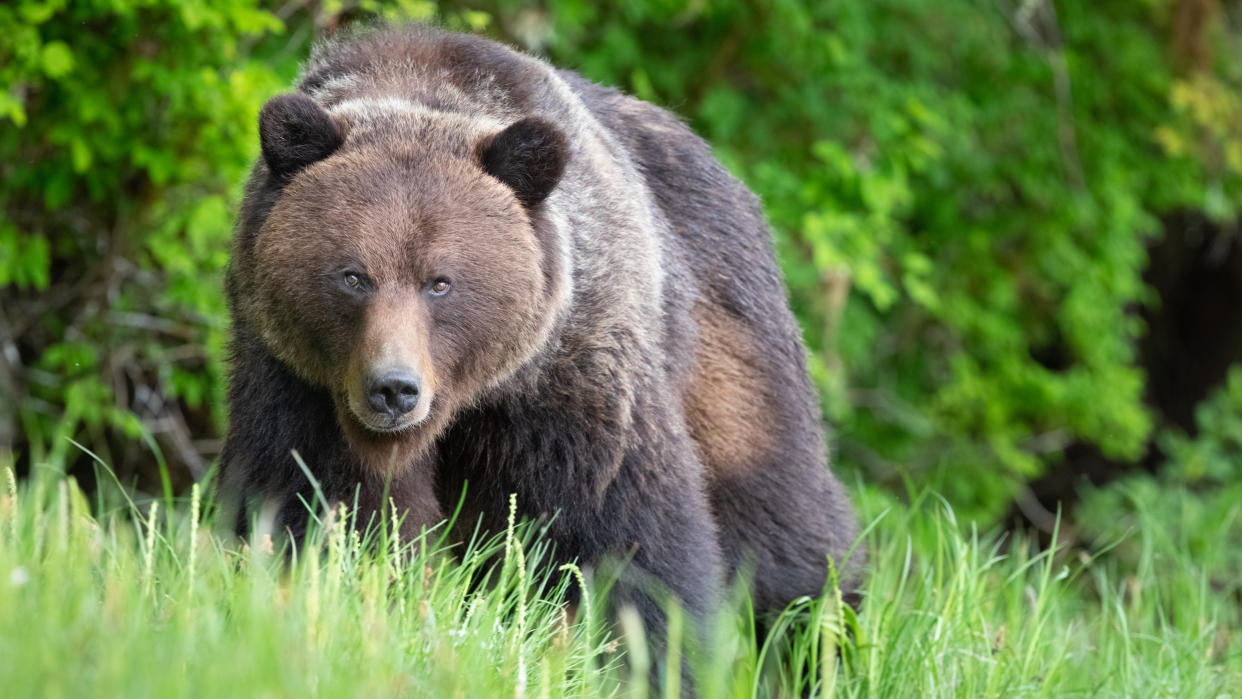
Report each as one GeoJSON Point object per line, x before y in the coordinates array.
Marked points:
{"type": "Point", "coordinates": [459, 274]}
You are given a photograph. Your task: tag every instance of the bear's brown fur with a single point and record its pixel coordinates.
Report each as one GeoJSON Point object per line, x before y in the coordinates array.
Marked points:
{"type": "Point", "coordinates": [455, 264]}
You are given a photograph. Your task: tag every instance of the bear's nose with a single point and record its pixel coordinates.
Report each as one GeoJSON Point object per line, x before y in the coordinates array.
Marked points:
{"type": "Point", "coordinates": [393, 393]}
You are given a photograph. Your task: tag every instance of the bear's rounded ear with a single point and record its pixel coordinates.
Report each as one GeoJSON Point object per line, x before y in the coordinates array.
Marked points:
{"type": "Point", "coordinates": [529, 156]}
{"type": "Point", "coordinates": [294, 131]}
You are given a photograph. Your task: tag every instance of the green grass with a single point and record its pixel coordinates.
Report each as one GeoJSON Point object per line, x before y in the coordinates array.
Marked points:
{"type": "Point", "coordinates": [103, 599]}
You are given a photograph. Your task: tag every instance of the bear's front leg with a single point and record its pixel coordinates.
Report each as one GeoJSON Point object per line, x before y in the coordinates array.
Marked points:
{"type": "Point", "coordinates": [655, 516]}
{"type": "Point", "coordinates": [652, 517]}
{"type": "Point", "coordinates": [633, 496]}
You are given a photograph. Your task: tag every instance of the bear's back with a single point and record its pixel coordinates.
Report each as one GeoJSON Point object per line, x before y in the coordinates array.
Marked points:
{"type": "Point", "coordinates": [439, 70]}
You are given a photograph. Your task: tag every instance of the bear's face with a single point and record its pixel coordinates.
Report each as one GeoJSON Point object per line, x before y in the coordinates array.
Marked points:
{"type": "Point", "coordinates": [402, 277]}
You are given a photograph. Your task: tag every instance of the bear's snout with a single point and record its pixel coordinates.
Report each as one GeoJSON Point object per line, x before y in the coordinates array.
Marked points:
{"type": "Point", "coordinates": [393, 393]}
{"type": "Point", "coordinates": [390, 397]}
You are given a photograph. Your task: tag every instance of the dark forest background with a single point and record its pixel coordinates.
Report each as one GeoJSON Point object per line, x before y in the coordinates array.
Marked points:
{"type": "Point", "coordinates": [1009, 227]}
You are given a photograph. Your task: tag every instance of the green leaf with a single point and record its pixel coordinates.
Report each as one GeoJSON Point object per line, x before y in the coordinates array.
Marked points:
{"type": "Point", "coordinates": [57, 59]}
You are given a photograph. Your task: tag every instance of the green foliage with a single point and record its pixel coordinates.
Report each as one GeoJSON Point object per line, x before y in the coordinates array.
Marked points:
{"type": "Point", "coordinates": [129, 128]}
{"type": "Point", "coordinates": [961, 191]}
{"type": "Point", "coordinates": [1215, 454]}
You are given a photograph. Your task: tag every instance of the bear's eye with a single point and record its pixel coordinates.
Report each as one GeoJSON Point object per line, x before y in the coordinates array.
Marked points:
{"type": "Point", "coordinates": [440, 287]}
{"type": "Point", "coordinates": [355, 281]}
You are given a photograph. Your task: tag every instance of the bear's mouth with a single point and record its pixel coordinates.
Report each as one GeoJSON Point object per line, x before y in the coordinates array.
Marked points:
{"type": "Point", "coordinates": [386, 424]}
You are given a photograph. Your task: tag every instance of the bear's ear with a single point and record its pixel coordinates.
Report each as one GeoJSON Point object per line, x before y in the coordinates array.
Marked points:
{"type": "Point", "coordinates": [529, 156]}
{"type": "Point", "coordinates": [294, 131]}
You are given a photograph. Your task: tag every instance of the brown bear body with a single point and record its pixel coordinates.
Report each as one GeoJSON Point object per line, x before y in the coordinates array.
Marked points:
{"type": "Point", "coordinates": [580, 305]}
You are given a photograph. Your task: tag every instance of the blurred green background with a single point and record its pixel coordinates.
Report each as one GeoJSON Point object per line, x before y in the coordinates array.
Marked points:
{"type": "Point", "coordinates": [1009, 227]}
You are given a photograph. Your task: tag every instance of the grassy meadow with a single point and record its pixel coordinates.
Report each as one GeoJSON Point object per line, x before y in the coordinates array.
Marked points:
{"type": "Point", "coordinates": [114, 598]}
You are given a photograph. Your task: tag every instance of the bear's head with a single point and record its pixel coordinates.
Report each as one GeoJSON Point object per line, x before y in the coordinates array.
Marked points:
{"type": "Point", "coordinates": [404, 264]}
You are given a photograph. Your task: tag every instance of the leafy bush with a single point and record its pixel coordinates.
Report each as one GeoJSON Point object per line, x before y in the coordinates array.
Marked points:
{"type": "Point", "coordinates": [1214, 455]}
{"type": "Point", "coordinates": [130, 128]}
{"type": "Point", "coordinates": [962, 192]}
